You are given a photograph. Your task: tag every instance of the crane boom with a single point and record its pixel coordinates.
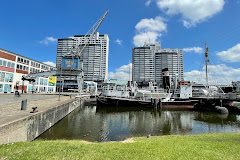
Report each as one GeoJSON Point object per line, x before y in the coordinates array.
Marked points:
{"type": "Point", "coordinates": [68, 65]}
{"type": "Point", "coordinates": [89, 34]}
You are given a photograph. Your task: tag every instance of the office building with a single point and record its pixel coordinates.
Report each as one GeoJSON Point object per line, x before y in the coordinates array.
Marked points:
{"type": "Point", "coordinates": [94, 55]}
{"type": "Point", "coordinates": [149, 61]}
{"type": "Point", "coordinates": [13, 66]}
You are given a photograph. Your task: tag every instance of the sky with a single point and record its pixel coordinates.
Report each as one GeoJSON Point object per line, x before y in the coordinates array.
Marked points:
{"type": "Point", "coordinates": [31, 28]}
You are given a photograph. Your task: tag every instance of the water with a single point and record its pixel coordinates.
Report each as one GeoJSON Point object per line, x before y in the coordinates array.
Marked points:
{"type": "Point", "coordinates": [115, 124]}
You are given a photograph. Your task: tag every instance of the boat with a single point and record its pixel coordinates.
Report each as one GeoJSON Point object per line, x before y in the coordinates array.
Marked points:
{"type": "Point", "coordinates": [152, 96]}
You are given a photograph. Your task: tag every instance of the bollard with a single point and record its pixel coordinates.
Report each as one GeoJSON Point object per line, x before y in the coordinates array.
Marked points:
{"type": "Point", "coordinates": [70, 96]}
{"type": "Point", "coordinates": [24, 104]}
{"type": "Point", "coordinates": [160, 103]}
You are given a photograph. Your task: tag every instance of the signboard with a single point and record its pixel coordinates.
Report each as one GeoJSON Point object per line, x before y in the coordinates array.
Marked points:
{"type": "Point", "coordinates": [69, 63]}
{"type": "Point", "coordinates": [52, 81]}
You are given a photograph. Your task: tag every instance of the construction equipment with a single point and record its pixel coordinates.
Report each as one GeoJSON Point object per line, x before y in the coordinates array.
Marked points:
{"type": "Point", "coordinates": [71, 65]}
{"type": "Point", "coordinates": [71, 61]}
{"type": "Point", "coordinates": [76, 50]}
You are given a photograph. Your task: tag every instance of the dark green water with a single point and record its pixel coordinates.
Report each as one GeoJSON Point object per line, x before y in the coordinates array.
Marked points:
{"type": "Point", "coordinates": [114, 124]}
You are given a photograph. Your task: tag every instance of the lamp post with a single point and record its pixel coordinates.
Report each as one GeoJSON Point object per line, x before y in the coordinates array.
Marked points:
{"type": "Point", "coordinates": [59, 88]}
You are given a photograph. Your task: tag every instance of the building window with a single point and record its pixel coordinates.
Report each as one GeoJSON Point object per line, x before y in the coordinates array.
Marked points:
{"type": "Point", "coordinates": [2, 76]}
{"type": "Point", "coordinates": [36, 81]}
{"type": "Point", "coordinates": [13, 65]}
{"type": "Point", "coordinates": [30, 88]}
{"type": "Point", "coordinates": [41, 81]}
{"type": "Point", "coordinates": [45, 82]}
{"type": "Point", "coordinates": [1, 87]}
{"type": "Point", "coordinates": [0, 62]}
{"type": "Point", "coordinates": [9, 64]}
{"type": "Point", "coordinates": [19, 59]}
{"type": "Point", "coordinates": [4, 63]}
{"type": "Point", "coordinates": [8, 77]}
{"type": "Point", "coordinates": [50, 89]}
{"type": "Point", "coordinates": [7, 88]}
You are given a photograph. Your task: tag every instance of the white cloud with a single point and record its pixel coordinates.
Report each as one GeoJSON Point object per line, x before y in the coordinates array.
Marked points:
{"type": "Point", "coordinates": [149, 30]}
{"type": "Point", "coordinates": [118, 41]}
{"type": "Point", "coordinates": [118, 75]}
{"type": "Point", "coordinates": [141, 38]}
{"type": "Point", "coordinates": [151, 25]}
{"type": "Point", "coordinates": [148, 2]}
{"type": "Point", "coordinates": [218, 74]}
{"type": "Point", "coordinates": [50, 63]}
{"type": "Point", "coordinates": [121, 73]}
{"type": "Point", "coordinates": [48, 40]}
{"type": "Point", "coordinates": [193, 49]}
{"type": "Point", "coordinates": [231, 55]}
{"type": "Point", "coordinates": [192, 11]}
{"type": "Point", "coordinates": [125, 68]}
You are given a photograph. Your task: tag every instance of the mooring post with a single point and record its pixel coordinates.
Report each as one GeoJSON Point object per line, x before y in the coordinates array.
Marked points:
{"type": "Point", "coordinates": [160, 103]}
{"type": "Point", "coordinates": [24, 104]}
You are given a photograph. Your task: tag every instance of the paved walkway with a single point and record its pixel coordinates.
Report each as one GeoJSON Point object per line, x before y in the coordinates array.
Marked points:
{"type": "Point", "coordinates": [10, 106]}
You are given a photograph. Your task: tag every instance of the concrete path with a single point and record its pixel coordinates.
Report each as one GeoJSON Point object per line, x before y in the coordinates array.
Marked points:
{"type": "Point", "coordinates": [10, 106]}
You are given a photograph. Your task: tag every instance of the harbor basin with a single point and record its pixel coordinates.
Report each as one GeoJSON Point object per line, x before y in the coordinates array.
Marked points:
{"type": "Point", "coordinates": [91, 123]}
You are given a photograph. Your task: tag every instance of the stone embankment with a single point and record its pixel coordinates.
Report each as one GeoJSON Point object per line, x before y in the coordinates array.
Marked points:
{"type": "Point", "coordinates": [20, 125]}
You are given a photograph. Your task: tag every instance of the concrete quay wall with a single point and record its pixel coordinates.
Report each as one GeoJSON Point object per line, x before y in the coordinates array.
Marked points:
{"type": "Point", "coordinates": [30, 127]}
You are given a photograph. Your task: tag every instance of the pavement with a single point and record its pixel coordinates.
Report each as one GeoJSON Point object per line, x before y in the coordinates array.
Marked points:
{"type": "Point", "coordinates": [10, 106]}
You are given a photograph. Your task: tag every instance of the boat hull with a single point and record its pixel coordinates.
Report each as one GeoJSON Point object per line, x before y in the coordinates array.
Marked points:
{"type": "Point", "coordinates": [125, 102]}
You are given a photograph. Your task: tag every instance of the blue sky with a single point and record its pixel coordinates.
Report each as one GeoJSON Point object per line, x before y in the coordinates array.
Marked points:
{"type": "Point", "coordinates": [31, 28]}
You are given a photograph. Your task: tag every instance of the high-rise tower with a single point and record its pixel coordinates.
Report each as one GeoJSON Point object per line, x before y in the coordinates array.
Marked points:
{"type": "Point", "coordinates": [94, 55]}
{"type": "Point", "coordinates": [149, 61]}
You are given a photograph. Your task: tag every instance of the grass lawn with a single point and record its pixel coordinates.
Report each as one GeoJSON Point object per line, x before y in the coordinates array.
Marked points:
{"type": "Point", "coordinates": [203, 146]}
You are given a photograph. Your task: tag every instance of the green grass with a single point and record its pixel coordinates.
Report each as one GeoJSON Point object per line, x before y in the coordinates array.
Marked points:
{"type": "Point", "coordinates": [204, 146]}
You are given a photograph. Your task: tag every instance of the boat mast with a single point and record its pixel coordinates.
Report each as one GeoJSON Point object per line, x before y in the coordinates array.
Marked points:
{"type": "Point", "coordinates": [206, 61]}
{"type": "Point", "coordinates": [129, 75]}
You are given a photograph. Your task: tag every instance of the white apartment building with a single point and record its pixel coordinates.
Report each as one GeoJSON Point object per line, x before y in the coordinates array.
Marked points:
{"type": "Point", "coordinates": [94, 56]}
{"type": "Point", "coordinates": [13, 66]}
{"type": "Point", "coordinates": [149, 60]}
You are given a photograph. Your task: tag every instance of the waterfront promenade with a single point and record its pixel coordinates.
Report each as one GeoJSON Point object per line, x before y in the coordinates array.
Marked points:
{"type": "Point", "coordinates": [21, 125]}
{"type": "Point", "coordinates": [10, 106]}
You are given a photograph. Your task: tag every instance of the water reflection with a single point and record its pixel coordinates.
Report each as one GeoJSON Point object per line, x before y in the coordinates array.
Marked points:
{"type": "Point", "coordinates": [114, 124]}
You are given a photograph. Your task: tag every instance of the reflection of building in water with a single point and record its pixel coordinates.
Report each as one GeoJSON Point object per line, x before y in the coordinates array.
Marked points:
{"type": "Point", "coordinates": [136, 123]}
{"type": "Point", "coordinates": [187, 121]}
{"type": "Point", "coordinates": [112, 124]}
{"type": "Point", "coordinates": [178, 122]}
